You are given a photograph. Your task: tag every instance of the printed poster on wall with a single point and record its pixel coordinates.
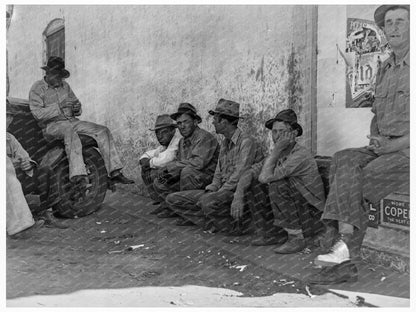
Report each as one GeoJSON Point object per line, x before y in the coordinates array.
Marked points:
{"type": "Point", "coordinates": [366, 49]}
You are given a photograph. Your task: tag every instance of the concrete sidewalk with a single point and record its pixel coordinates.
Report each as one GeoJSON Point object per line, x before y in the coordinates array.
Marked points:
{"type": "Point", "coordinates": [374, 279]}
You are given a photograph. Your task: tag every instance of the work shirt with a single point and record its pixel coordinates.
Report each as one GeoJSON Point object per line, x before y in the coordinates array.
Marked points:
{"type": "Point", "coordinates": [199, 151]}
{"type": "Point", "coordinates": [162, 155]}
{"type": "Point", "coordinates": [392, 98]}
{"type": "Point", "coordinates": [236, 156]}
{"type": "Point", "coordinates": [302, 171]}
{"type": "Point", "coordinates": [44, 102]}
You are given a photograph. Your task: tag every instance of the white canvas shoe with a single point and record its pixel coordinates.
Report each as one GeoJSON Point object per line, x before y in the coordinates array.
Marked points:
{"type": "Point", "coordinates": [339, 253]}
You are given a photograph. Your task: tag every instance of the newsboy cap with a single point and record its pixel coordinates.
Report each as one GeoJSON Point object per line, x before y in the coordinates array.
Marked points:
{"type": "Point", "coordinates": [381, 11]}
{"type": "Point", "coordinates": [226, 107]}
{"type": "Point", "coordinates": [286, 115]}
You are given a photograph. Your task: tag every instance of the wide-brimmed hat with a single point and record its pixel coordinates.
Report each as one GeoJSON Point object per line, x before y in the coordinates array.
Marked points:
{"type": "Point", "coordinates": [10, 109]}
{"type": "Point", "coordinates": [163, 121]}
{"type": "Point", "coordinates": [289, 116]}
{"type": "Point", "coordinates": [56, 65]}
{"type": "Point", "coordinates": [227, 107]}
{"type": "Point", "coordinates": [188, 109]}
{"type": "Point", "coordinates": [381, 11]}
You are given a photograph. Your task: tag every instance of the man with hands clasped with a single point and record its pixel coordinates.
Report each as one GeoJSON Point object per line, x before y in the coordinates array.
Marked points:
{"type": "Point", "coordinates": [360, 176]}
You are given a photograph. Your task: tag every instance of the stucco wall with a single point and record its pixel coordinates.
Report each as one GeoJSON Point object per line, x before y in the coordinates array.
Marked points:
{"type": "Point", "coordinates": [130, 63]}
{"type": "Point", "coordinates": [338, 127]}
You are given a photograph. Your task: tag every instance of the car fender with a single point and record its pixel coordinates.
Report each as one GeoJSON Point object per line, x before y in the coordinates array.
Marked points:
{"type": "Point", "coordinates": [53, 156]}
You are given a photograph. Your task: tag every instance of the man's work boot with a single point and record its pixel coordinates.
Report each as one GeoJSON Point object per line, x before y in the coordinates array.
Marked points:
{"type": "Point", "coordinates": [51, 221]}
{"type": "Point", "coordinates": [339, 253]}
{"type": "Point", "coordinates": [340, 273]}
{"type": "Point", "coordinates": [118, 177]}
{"type": "Point", "coordinates": [293, 245]}
{"type": "Point", "coordinates": [265, 240]}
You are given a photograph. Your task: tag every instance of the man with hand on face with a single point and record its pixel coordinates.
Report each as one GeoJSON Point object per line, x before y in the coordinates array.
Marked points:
{"type": "Point", "coordinates": [362, 175]}
{"type": "Point", "coordinates": [196, 158]}
{"type": "Point", "coordinates": [55, 106]}
{"type": "Point", "coordinates": [210, 208]}
{"type": "Point", "coordinates": [154, 160]}
{"type": "Point", "coordinates": [296, 190]}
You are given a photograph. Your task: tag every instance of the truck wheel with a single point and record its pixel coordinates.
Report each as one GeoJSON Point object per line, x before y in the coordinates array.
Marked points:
{"type": "Point", "coordinates": [72, 204]}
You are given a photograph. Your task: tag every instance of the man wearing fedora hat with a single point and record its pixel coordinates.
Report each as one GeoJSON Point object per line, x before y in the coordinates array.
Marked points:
{"type": "Point", "coordinates": [32, 178]}
{"type": "Point", "coordinates": [296, 191]}
{"type": "Point", "coordinates": [152, 161]}
{"type": "Point", "coordinates": [55, 106]}
{"type": "Point", "coordinates": [196, 158]}
{"type": "Point", "coordinates": [360, 176]}
{"type": "Point", "coordinates": [211, 207]}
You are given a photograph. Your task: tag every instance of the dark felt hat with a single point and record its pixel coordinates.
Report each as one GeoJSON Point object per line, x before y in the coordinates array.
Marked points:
{"type": "Point", "coordinates": [56, 65]}
{"type": "Point", "coordinates": [188, 109]}
{"type": "Point", "coordinates": [163, 121]}
{"type": "Point", "coordinates": [381, 11]}
{"type": "Point", "coordinates": [289, 116]}
{"type": "Point", "coordinates": [226, 107]}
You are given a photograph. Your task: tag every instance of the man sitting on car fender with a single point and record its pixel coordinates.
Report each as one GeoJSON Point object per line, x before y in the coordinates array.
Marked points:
{"type": "Point", "coordinates": [55, 106]}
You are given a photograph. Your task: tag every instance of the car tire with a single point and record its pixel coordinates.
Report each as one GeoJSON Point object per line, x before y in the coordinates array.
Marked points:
{"type": "Point", "coordinates": [67, 207]}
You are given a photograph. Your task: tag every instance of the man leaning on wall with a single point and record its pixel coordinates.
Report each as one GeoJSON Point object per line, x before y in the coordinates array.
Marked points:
{"type": "Point", "coordinates": [362, 175]}
{"type": "Point", "coordinates": [196, 158]}
{"type": "Point", "coordinates": [210, 208]}
{"type": "Point", "coordinates": [152, 162]}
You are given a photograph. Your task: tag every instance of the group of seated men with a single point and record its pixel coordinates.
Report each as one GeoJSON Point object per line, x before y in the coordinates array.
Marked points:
{"type": "Point", "coordinates": [227, 187]}
{"type": "Point", "coordinates": [223, 187]}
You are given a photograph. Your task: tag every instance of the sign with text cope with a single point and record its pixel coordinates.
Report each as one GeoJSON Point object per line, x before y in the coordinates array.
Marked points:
{"type": "Point", "coordinates": [395, 211]}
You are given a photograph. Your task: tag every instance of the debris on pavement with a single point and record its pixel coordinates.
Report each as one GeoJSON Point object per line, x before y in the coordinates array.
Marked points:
{"type": "Point", "coordinates": [103, 231]}
{"type": "Point", "coordinates": [309, 292]}
{"type": "Point", "coordinates": [116, 242]}
{"type": "Point", "coordinates": [133, 247]}
{"type": "Point", "coordinates": [115, 251]}
{"type": "Point", "coordinates": [359, 300]}
{"type": "Point", "coordinates": [98, 222]}
{"type": "Point", "coordinates": [236, 284]}
{"type": "Point", "coordinates": [288, 283]}
{"type": "Point", "coordinates": [382, 279]}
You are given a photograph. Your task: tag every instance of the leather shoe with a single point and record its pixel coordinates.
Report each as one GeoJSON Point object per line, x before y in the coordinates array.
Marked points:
{"type": "Point", "coordinates": [166, 214]}
{"type": "Point", "coordinates": [293, 245]}
{"type": "Point", "coordinates": [340, 273]}
{"type": "Point", "coordinates": [120, 178]}
{"type": "Point", "coordinates": [51, 221]}
{"type": "Point", "coordinates": [339, 253]}
{"type": "Point", "coordinates": [269, 240]}
{"type": "Point", "coordinates": [158, 210]}
{"type": "Point", "coordinates": [183, 222]}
